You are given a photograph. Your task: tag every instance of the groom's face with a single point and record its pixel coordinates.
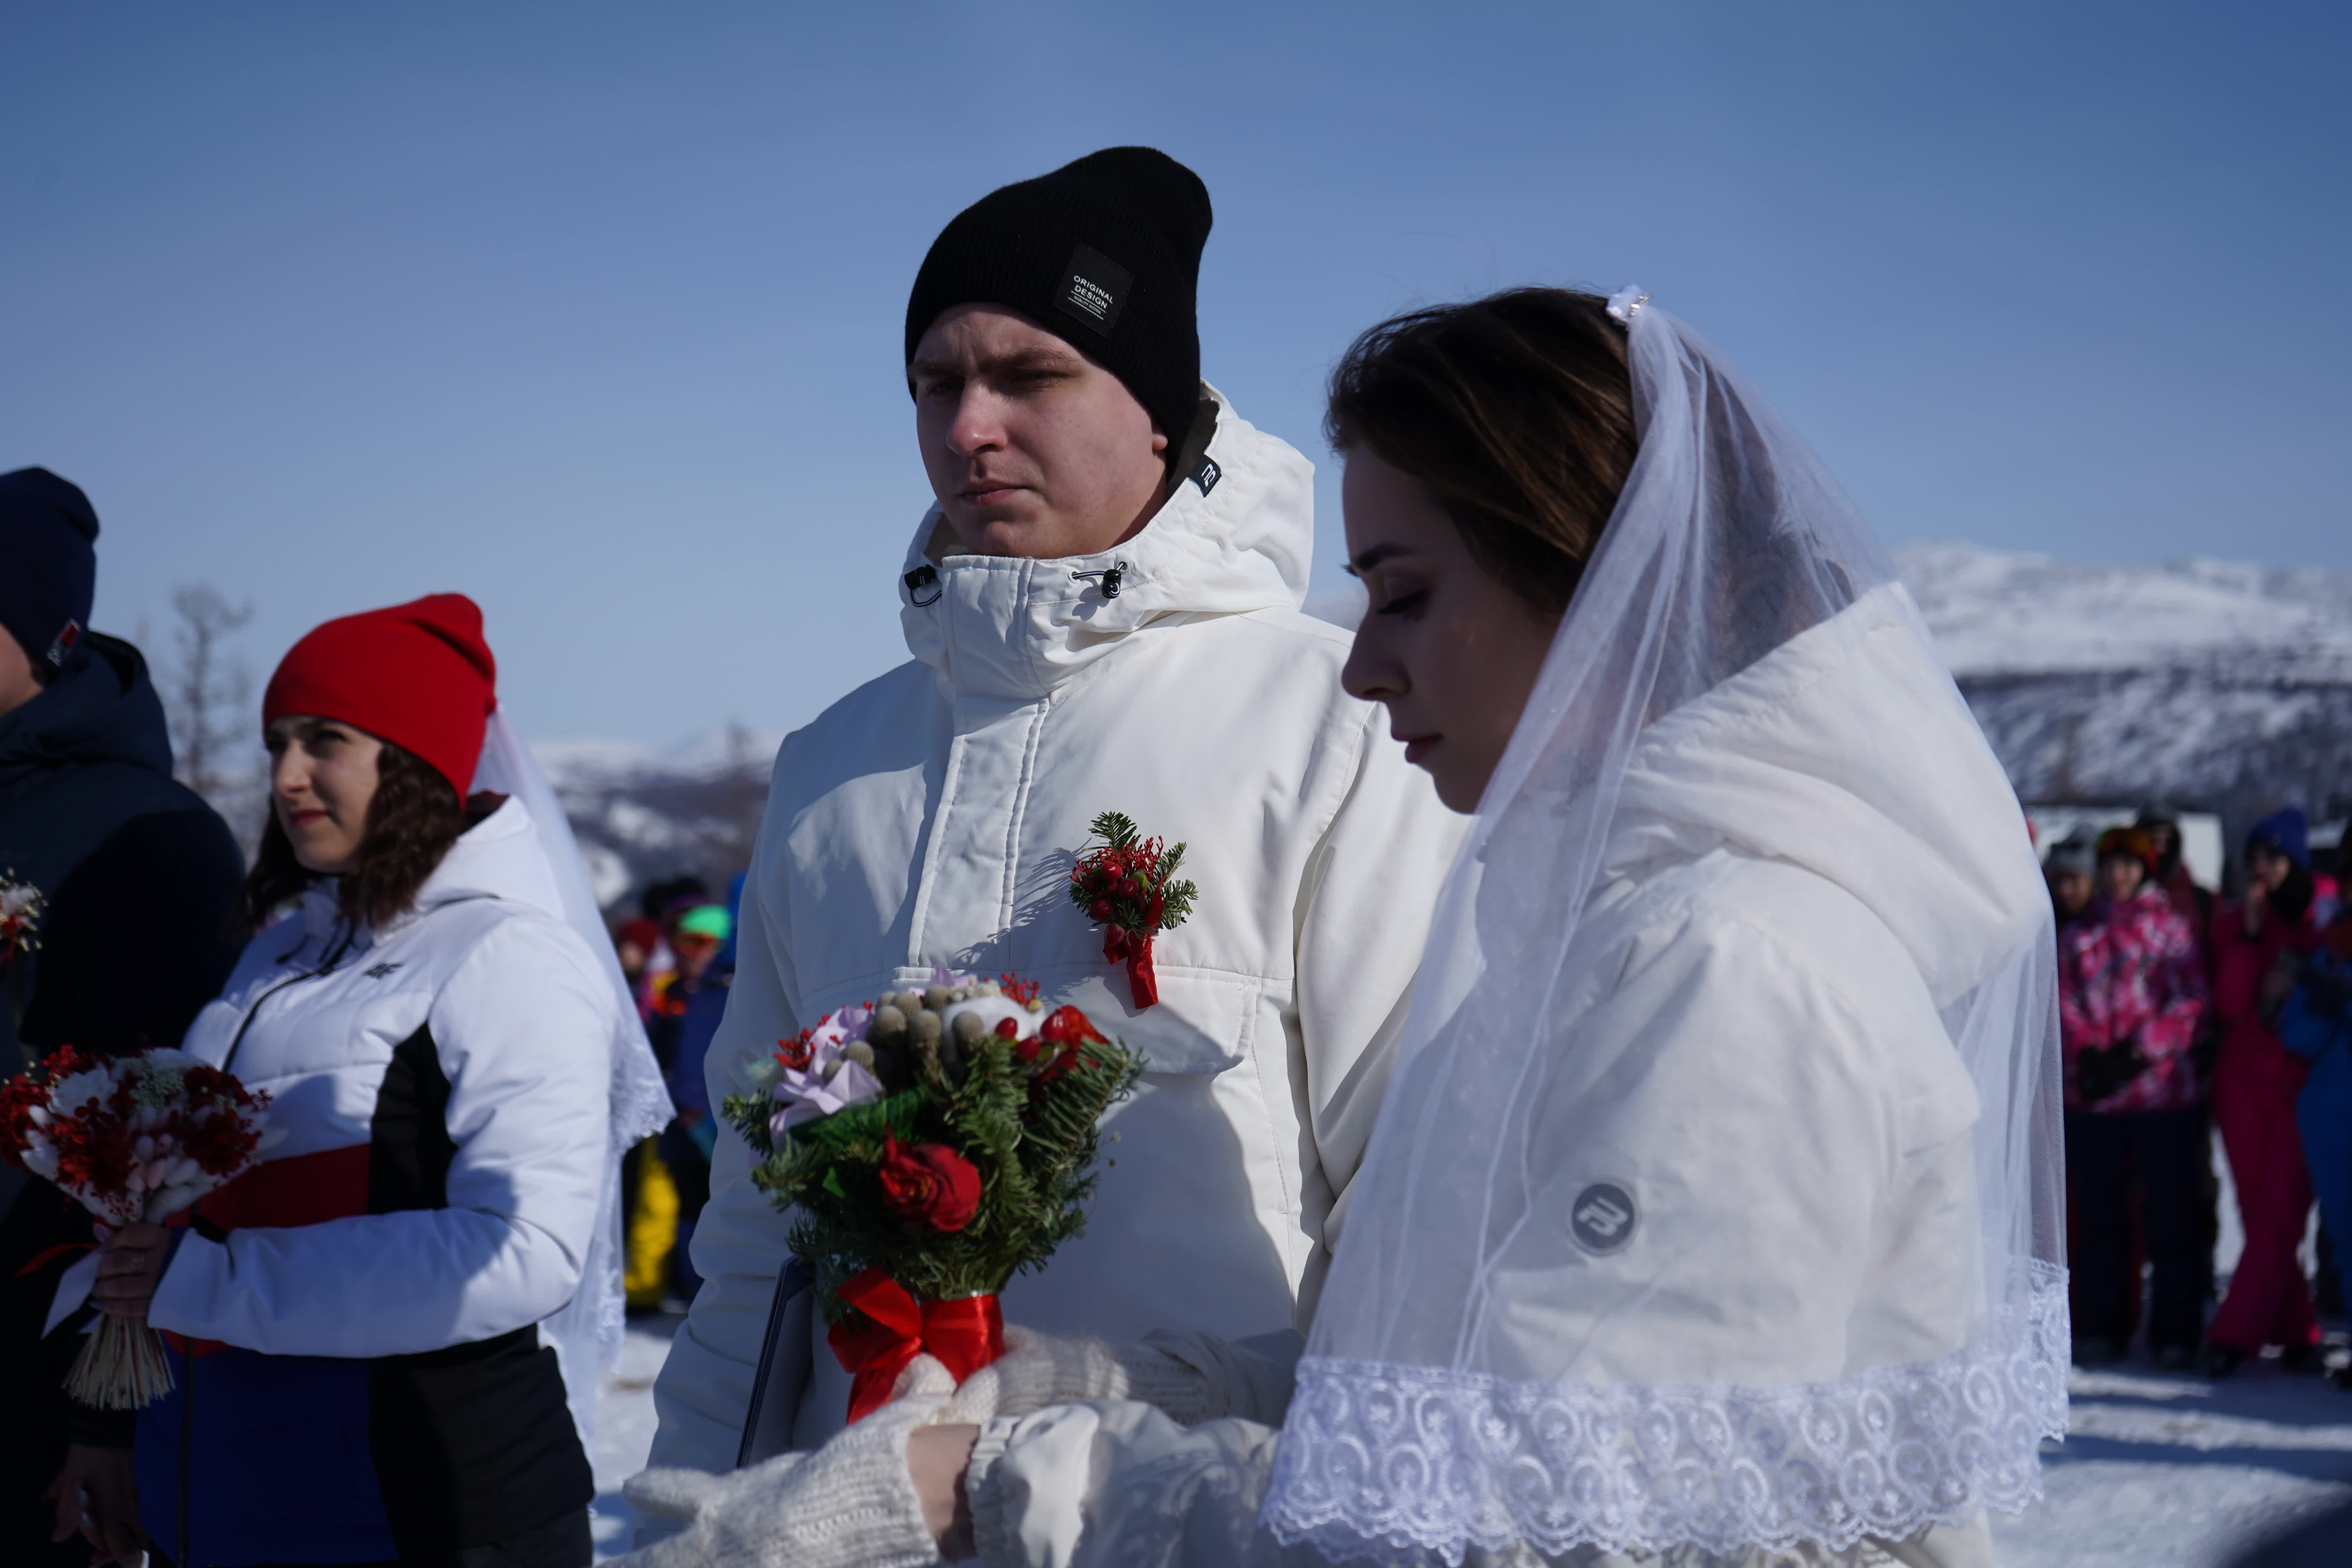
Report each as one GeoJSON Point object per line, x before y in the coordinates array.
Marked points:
{"type": "Point", "coordinates": [1033, 449]}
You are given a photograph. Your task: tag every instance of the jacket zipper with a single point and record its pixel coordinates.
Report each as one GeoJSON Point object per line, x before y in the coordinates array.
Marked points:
{"type": "Point", "coordinates": [334, 957]}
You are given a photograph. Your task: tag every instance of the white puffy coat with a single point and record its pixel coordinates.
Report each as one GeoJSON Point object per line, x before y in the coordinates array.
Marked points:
{"type": "Point", "coordinates": [1755, 1053]}
{"type": "Point", "coordinates": [931, 816]}
{"type": "Point", "coordinates": [481, 983]}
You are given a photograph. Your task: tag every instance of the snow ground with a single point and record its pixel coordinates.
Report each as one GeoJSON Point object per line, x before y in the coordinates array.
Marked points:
{"type": "Point", "coordinates": [625, 1426]}
{"type": "Point", "coordinates": [2160, 1472]}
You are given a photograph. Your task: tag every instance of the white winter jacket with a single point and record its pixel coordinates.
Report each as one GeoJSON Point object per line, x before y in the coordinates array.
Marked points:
{"type": "Point", "coordinates": [1755, 1055]}
{"type": "Point", "coordinates": [930, 817]}
{"type": "Point", "coordinates": [476, 1029]}
{"type": "Point", "coordinates": [368, 1377]}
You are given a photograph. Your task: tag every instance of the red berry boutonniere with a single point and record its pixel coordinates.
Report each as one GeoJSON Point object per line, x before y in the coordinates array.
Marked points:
{"type": "Point", "coordinates": [1127, 887]}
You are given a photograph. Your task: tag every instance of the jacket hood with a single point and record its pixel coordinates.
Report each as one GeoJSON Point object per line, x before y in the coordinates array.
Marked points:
{"type": "Point", "coordinates": [101, 708]}
{"type": "Point", "coordinates": [1848, 752]}
{"type": "Point", "coordinates": [1235, 539]}
{"type": "Point", "coordinates": [498, 857]}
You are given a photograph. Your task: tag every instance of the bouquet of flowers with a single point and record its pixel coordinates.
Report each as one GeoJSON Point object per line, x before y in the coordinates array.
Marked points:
{"type": "Point", "coordinates": [132, 1138]}
{"type": "Point", "coordinates": [1127, 885]}
{"type": "Point", "coordinates": [20, 916]}
{"type": "Point", "coordinates": [933, 1144]}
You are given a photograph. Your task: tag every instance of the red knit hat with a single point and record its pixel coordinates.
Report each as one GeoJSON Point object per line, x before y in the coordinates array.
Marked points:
{"type": "Point", "coordinates": [417, 675]}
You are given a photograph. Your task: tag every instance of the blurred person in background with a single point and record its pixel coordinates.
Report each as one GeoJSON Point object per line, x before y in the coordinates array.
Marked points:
{"type": "Point", "coordinates": [687, 1006]}
{"type": "Point", "coordinates": [2314, 1022]}
{"type": "Point", "coordinates": [2068, 870]}
{"type": "Point", "coordinates": [2132, 995]}
{"type": "Point", "coordinates": [2162, 826]}
{"type": "Point", "coordinates": [649, 1186]}
{"type": "Point", "coordinates": [138, 878]}
{"type": "Point", "coordinates": [384, 1337]}
{"type": "Point", "coordinates": [2257, 944]}
{"type": "Point", "coordinates": [634, 942]}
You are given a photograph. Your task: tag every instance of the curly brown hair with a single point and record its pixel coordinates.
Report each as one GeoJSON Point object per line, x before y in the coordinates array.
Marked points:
{"type": "Point", "coordinates": [1514, 411]}
{"type": "Point", "coordinates": [411, 822]}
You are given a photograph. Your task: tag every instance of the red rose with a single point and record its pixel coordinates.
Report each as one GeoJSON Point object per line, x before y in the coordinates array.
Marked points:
{"type": "Point", "coordinates": [1067, 1026]}
{"type": "Point", "coordinates": [928, 1184]}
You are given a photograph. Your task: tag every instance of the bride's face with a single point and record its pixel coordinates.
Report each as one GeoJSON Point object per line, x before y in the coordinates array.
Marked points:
{"type": "Point", "coordinates": [1450, 650]}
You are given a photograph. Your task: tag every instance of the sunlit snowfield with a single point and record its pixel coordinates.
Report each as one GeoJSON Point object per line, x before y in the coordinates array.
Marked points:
{"type": "Point", "coordinates": [2161, 1471]}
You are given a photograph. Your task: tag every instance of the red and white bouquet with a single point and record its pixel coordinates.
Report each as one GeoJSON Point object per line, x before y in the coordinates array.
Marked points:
{"type": "Point", "coordinates": [20, 916]}
{"type": "Point", "coordinates": [929, 1144]}
{"type": "Point", "coordinates": [132, 1138]}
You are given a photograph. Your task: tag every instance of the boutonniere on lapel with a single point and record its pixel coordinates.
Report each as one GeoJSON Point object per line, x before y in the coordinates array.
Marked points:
{"type": "Point", "coordinates": [1127, 887]}
{"type": "Point", "coordinates": [20, 916]}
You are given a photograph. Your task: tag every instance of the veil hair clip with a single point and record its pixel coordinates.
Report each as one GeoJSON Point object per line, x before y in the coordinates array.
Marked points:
{"type": "Point", "coordinates": [1627, 303]}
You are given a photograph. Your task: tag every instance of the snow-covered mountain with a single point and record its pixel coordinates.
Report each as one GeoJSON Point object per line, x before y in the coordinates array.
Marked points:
{"type": "Point", "coordinates": [642, 814]}
{"type": "Point", "coordinates": [2200, 682]}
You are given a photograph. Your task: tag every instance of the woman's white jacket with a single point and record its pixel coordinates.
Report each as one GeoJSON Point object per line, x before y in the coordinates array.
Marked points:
{"type": "Point", "coordinates": [930, 819]}
{"type": "Point", "coordinates": [1757, 1058]}
{"type": "Point", "coordinates": [463, 1048]}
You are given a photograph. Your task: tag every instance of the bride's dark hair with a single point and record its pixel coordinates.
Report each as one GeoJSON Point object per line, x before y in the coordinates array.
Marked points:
{"type": "Point", "coordinates": [1516, 410]}
{"type": "Point", "coordinates": [411, 822]}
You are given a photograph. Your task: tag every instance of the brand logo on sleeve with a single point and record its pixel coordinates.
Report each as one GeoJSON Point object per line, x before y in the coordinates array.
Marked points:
{"type": "Point", "coordinates": [1094, 288]}
{"type": "Point", "coordinates": [1602, 1218]}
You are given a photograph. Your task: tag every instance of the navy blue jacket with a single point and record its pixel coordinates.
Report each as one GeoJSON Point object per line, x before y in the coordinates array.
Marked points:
{"type": "Point", "coordinates": [140, 877]}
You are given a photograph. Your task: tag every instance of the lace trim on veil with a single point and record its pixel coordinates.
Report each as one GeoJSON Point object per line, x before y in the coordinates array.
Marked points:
{"type": "Point", "coordinates": [1395, 1463]}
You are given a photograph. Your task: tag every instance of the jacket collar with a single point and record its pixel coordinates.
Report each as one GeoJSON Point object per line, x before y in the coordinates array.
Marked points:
{"type": "Point", "coordinates": [1015, 629]}
{"type": "Point", "coordinates": [498, 857]}
{"type": "Point", "coordinates": [100, 709]}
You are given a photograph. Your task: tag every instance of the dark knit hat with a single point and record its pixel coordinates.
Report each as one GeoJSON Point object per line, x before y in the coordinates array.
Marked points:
{"type": "Point", "coordinates": [2285, 831]}
{"type": "Point", "coordinates": [2130, 843]}
{"type": "Point", "coordinates": [48, 563]}
{"type": "Point", "coordinates": [1104, 252]}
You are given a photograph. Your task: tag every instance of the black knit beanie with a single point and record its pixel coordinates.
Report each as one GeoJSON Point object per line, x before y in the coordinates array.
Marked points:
{"type": "Point", "coordinates": [49, 567]}
{"type": "Point", "coordinates": [1104, 252]}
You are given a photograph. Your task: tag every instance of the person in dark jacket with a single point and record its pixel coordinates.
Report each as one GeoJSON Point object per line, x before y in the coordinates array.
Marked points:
{"type": "Point", "coordinates": [138, 878]}
{"type": "Point", "coordinates": [688, 1005]}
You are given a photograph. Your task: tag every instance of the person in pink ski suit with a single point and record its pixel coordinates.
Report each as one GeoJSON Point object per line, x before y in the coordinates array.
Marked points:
{"type": "Point", "coordinates": [2131, 996]}
{"type": "Point", "coordinates": [2255, 1083]}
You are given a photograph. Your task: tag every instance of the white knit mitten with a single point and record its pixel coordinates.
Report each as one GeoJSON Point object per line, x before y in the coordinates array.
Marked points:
{"type": "Point", "coordinates": [1191, 1377]}
{"type": "Point", "coordinates": [851, 1504]}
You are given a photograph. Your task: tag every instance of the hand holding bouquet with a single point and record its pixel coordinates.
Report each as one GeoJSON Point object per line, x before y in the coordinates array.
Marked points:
{"type": "Point", "coordinates": [933, 1144]}
{"type": "Point", "coordinates": [134, 1140]}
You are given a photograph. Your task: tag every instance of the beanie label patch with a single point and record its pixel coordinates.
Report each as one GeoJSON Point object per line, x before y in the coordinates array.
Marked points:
{"type": "Point", "coordinates": [1207, 475]}
{"type": "Point", "coordinates": [1094, 288]}
{"type": "Point", "coordinates": [67, 641]}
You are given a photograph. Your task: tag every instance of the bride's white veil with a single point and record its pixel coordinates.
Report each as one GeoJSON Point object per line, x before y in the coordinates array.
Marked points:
{"type": "Point", "coordinates": [586, 1332]}
{"type": "Point", "coordinates": [1429, 1420]}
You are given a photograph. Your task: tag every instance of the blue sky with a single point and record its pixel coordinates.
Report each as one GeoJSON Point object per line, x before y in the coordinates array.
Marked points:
{"type": "Point", "coordinates": [593, 312]}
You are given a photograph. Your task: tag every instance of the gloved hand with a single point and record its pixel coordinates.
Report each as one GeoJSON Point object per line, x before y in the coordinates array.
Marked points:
{"type": "Point", "coordinates": [851, 1504]}
{"type": "Point", "coordinates": [1038, 1371]}
{"type": "Point", "coordinates": [2101, 1071]}
{"type": "Point", "coordinates": [1191, 1377]}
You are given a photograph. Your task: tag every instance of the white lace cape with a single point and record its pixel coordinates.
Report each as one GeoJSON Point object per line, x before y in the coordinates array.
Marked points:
{"type": "Point", "coordinates": [1398, 1463]}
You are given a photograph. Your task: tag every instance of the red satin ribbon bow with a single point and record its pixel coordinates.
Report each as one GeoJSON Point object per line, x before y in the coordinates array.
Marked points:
{"type": "Point", "coordinates": [1141, 983]}
{"type": "Point", "coordinates": [964, 1335]}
